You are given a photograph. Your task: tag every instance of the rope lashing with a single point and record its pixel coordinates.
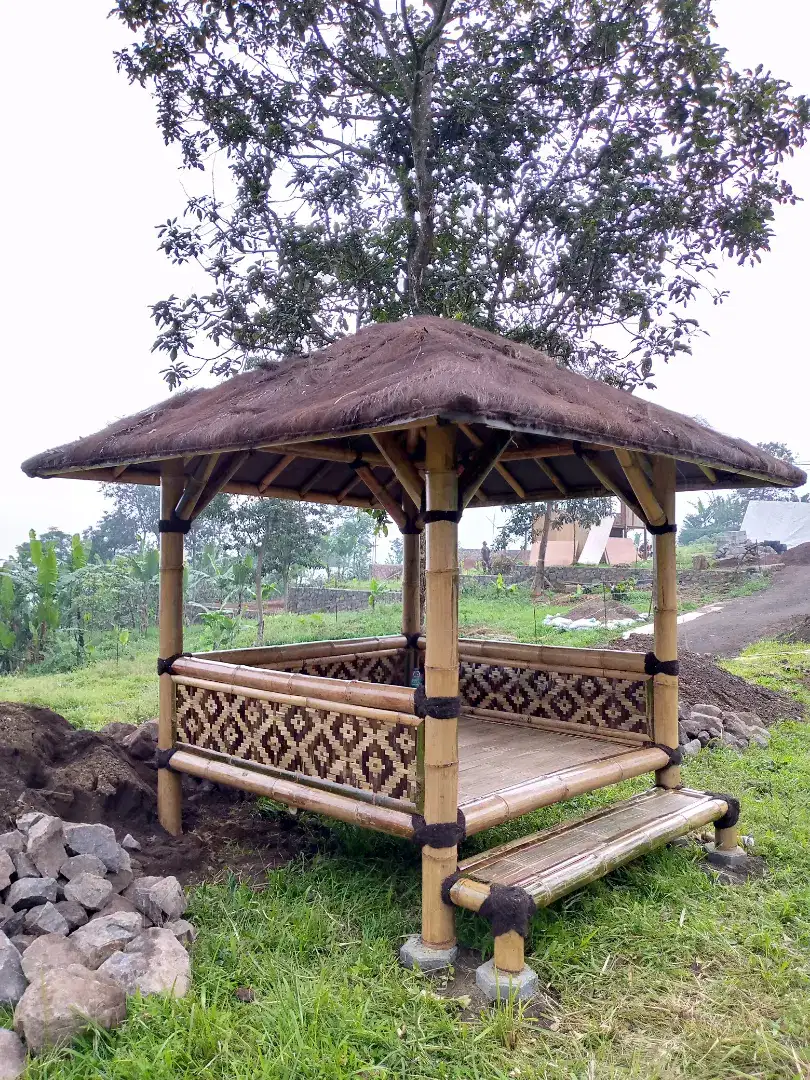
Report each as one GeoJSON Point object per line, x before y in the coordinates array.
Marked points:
{"type": "Point", "coordinates": [443, 834]}
{"type": "Point", "coordinates": [654, 666]}
{"type": "Point", "coordinates": [164, 665]}
{"type": "Point", "coordinates": [438, 708]}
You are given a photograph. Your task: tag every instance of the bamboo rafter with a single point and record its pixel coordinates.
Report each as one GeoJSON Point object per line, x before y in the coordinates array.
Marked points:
{"type": "Point", "coordinates": [484, 459]}
{"type": "Point", "coordinates": [500, 468]}
{"type": "Point", "coordinates": [276, 471]}
{"type": "Point", "coordinates": [195, 485]}
{"type": "Point", "coordinates": [400, 462]}
{"type": "Point", "coordinates": [637, 479]}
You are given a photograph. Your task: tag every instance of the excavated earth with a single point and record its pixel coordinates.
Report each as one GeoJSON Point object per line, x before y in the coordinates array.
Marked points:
{"type": "Point", "coordinates": [86, 776]}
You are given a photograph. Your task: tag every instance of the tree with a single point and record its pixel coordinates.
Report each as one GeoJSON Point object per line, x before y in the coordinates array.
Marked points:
{"type": "Point", "coordinates": [522, 523]}
{"type": "Point", "coordinates": [347, 545]}
{"type": "Point", "coordinates": [396, 552]}
{"type": "Point", "coordinates": [547, 170]}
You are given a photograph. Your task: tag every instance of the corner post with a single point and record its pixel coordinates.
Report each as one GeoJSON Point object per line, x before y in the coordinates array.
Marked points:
{"type": "Point", "coordinates": [170, 614]}
{"type": "Point", "coordinates": [665, 687]}
{"type": "Point", "coordinates": [411, 605]}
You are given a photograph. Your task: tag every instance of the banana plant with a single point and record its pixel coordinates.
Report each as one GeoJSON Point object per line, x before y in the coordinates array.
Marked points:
{"type": "Point", "coordinates": [46, 612]}
{"type": "Point", "coordinates": [144, 569]}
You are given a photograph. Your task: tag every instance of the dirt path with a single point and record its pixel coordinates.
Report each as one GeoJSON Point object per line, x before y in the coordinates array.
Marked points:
{"type": "Point", "coordinates": [750, 618]}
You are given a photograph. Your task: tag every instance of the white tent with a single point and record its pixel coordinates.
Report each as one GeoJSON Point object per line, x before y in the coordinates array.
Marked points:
{"type": "Point", "coordinates": [787, 522]}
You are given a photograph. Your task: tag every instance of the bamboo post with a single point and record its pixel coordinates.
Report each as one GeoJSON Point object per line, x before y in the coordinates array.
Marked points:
{"type": "Point", "coordinates": [665, 687]}
{"type": "Point", "coordinates": [441, 680]}
{"type": "Point", "coordinates": [509, 956]}
{"type": "Point", "coordinates": [411, 606]}
{"type": "Point", "coordinates": [170, 614]}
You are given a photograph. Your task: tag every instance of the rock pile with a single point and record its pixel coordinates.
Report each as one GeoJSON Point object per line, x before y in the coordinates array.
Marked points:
{"type": "Point", "coordinates": [80, 929]}
{"type": "Point", "coordinates": [706, 725]}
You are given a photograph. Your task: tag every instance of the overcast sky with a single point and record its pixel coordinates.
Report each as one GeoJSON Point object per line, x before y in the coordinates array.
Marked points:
{"type": "Point", "coordinates": [87, 178]}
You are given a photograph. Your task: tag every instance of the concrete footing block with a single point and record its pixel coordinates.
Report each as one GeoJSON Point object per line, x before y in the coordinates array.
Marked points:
{"type": "Point", "coordinates": [733, 867]}
{"type": "Point", "coordinates": [498, 985]}
{"type": "Point", "coordinates": [415, 954]}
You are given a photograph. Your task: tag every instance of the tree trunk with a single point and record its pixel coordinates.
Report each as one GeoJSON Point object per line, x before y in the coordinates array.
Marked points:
{"type": "Point", "coordinates": [259, 605]}
{"type": "Point", "coordinates": [540, 568]}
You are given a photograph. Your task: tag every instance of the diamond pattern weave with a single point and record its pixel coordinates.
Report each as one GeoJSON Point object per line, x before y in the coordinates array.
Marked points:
{"type": "Point", "coordinates": [333, 745]}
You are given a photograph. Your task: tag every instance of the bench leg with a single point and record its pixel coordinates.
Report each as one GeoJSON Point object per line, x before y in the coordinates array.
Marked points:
{"type": "Point", "coordinates": [506, 977]}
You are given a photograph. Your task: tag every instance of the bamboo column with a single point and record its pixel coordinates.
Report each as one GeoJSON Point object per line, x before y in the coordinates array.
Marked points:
{"type": "Point", "coordinates": [411, 606]}
{"type": "Point", "coordinates": [509, 953]}
{"type": "Point", "coordinates": [170, 614]}
{"type": "Point", "coordinates": [665, 687]}
{"type": "Point", "coordinates": [441, 680]}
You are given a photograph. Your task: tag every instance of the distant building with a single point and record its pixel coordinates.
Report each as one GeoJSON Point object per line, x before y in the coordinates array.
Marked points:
{"type": "Point", "coordinates": [610, 541]}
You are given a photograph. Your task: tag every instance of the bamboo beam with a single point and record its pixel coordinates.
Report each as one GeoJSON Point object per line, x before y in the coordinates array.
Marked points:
{"type": "Point", "coordinates": [119, 471]}
{"type": "Point", "coordinates": [483, 461]}
{"type": "Point", "coordinates": [536, 453]}
{"type": "Point", "coordinates": [225, 473]}
{"type": "Point", "coordinates": [170, 635]}
{"type": "Point", "coordinates": [195, 485]}
{"type": "Point", "coordinates": [276, 471]}
{"type": "Point", "coordinates": [303, 650]}
{"type": "Point", "coordinates": [552, 474]}
{"type": "Point", "coordinates": [403, 467]}
{"type": "Point", "coordinates": [323, 452]}
{"type": "Point", "coordinates": [665, 687]}
{"type": "Point", "coordinates": [554, 656]}
{"type": "Point", "coordinates": [611, 485]}
{"type": "Point", "coordinates": [500, 468]}
{"type": "Point", "coordinates": [315, 478]}
{"type": "Point", "coordinates": [441, 680]}
{"type": "Point", "coordinates": [637, 479]}
{"type": "Point", "coordinates": [383, 497]}
{"type": "Point", "coordinates": [365, 815]}
{"type": "Point", "coordinates": [344, 491]}
{"type": "Point", "coordinates": [710, 474]}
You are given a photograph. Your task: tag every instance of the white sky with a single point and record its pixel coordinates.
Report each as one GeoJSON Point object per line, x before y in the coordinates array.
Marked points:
{"type": "Point", "coordinates": [87, 178]}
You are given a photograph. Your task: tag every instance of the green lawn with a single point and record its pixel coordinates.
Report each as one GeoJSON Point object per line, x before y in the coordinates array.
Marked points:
{"type": "Point", "coordinates": [653, 973]}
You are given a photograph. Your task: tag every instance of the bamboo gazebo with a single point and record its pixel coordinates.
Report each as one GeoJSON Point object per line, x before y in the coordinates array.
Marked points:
{"type": "Point", "coordinates": [424, 418]}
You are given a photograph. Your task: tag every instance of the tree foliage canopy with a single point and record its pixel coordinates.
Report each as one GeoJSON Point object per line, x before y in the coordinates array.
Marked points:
{"type": "Point", "coordinates": [549, 170]}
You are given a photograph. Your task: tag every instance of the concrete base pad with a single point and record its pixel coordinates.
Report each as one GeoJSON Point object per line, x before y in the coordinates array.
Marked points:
{"type": "Point", "coordinates": [415, 954]}
{"type": "Point", "coordinates": [502, 985]}
{"type": "Point", "coordinates": [732, 867]}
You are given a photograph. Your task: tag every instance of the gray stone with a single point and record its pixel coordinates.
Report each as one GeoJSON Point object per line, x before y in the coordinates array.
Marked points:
{"type": "Point", "coordinates": [102, 937]}
{"type": "Point", "coordinates": [691, 748]}
{"type": "Point", "coordinates": [46, 952]}
{"type": "Point", "coordinates": [760, 740]}
{"type": "Point", "coordinates": [64, 1002]}
{"type": "Point", "coordinates": [6, 869]}
{"type": "Point", "coordinates": [503, 986]}
{"type": "Point", "coordinates": [129, 843]}
{"type": "Point", "coordinates": [12, 980]}
{"type": "Point", "coordinates": [153, 963]}
{"type": "Point", "coordinates": [161, 899]}
{"type": "Point", "coordinates": [732, 741]}
{"type": "Point", "coordinates": [707, 710]}
{"type": "Point", "coordinates": [28, 892]}
{"type": "Point", "coordinates": [183, 930]}
{"type": "Point", "coordinates": [736, 726]}
{"type": "Point", "coordinates": [82, 864]}
{"type": "Point", "coordinates": [24, 865]}
{"type": "Point", "coordinates": [25, 822]}
{"type": "Point", "coordinates": [120, 881]}
{"type": "Point", "coordinates": [45, 919]}
{"type": "Point", "coordinates": [12, 841]}
{"type": "Point", "coordinates": [21, 942]}
{"type": "Point", "coordinates": [96, 840]}
{"type": "Point", "coordinates": [73, 913]}
{"type": "Point", "coordinates": [12, 1055]}
{"type": "Point", "coordinates": [142, 743]}
{"type": "Point", "coordinates": [46, 845]}
{"type": "Point", "coordinates": [115, 904]}
{"type": "Point", "coordinates": [704, 738]}
{"type": "Point", "coordinates": [414, 954]}
{"type": "Point", "coordinates": [89, 890]}
{"type": "Point", "coordinates": [749, 718]}
{"type": "Point", "coordinates": [11, 921]}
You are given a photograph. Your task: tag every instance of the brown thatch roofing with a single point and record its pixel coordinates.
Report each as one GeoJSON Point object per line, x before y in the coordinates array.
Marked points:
{"type": "Point", "coordinates": [394, 376]}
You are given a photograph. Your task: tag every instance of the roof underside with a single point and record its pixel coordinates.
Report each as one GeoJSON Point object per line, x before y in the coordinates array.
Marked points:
{"type": "Point", "coordinates": [296, 429]}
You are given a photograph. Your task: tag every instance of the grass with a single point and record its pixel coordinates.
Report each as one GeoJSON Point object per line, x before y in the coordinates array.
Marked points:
{"type": "Point", "coordinates": [654, 973]}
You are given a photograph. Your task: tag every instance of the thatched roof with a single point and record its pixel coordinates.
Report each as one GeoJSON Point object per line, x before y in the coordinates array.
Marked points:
{"type": "Point", "coordinates": [305, 420]}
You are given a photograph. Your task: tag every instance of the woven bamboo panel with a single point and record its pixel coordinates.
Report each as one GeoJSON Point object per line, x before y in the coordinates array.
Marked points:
{"type": "Point", "coordinates": [389, 670]}
{"type": "Point", "coordinates": [331, 744]}
{"type": "Point", "coordinates": [578, 700]}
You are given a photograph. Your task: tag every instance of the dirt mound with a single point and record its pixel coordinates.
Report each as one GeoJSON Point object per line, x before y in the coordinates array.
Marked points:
{"type": "Point", "coordinates": [47, 765]}
{"type": "Point", "coordinates": [702, 682]}
{"type": "Point", "coordinates": [797, 556]}
{"type": "Point", "coordinates": [798, 630]}
{"type": "Point", "coordinates": [597, 609]}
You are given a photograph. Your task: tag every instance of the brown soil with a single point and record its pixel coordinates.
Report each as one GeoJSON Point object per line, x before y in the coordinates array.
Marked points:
{"type": "Point", "coordinates": [702, 682]}
{"type": "Point", "coordinates": [798, 556]}
{"type": "Point", "coordinates": [597, 609]}
{"type": "Point", "coordinates": [797, 631]}
{"type": "Point", "coordinates": [47, 765]}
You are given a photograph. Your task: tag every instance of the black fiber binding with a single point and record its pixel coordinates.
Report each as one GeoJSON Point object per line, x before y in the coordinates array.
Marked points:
{"type": "Point", "coordinates": [441, 515]}
{"type": "Point", "coordinates": [732, 815]}
{"type": "Point", "coordinates": [659, 530]}
{"type": "Point", "coordinates": [164, 666]}
{"type": "Point", "coordinates": [357, 463]}
{"type": "Point", "coordinates": [673, 752]}
{"type": "Point", "coordinates": [412, 640]}
{"type": "Point", "coordinates": [438, 708]}
{"type": "Point", "coordinates": [654, 666]}
{"type": "Point", "coordinates": [163, 757]}
{"type": "Point", "coordinates": [410, 528]}
{"type": "Point", "coordinates": [442, 835]}
{"type": "Point", "coordinates": [508, 907]}
{"type": "Point", "coordinates": [174, 524]}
